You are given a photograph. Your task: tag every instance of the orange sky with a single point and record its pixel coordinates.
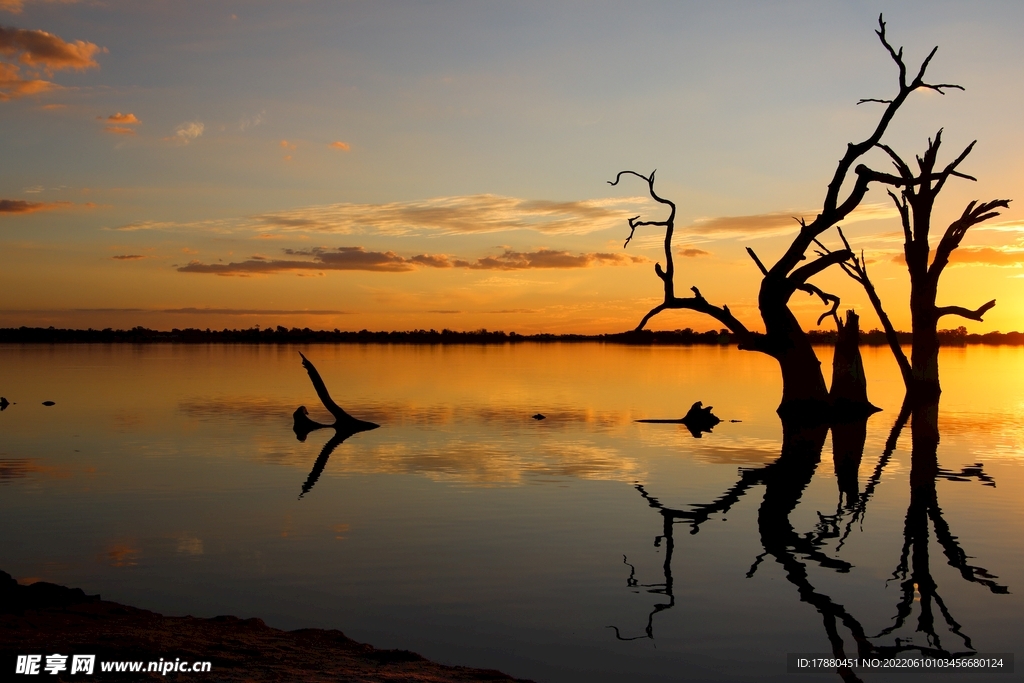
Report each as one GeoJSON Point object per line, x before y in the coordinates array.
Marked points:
{"type": "Point", "coordinates": [352, 166]}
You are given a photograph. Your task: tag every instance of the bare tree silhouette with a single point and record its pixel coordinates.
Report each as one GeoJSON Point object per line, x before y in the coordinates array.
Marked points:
{"type": "Point", "coordinates": [915, 205]}
{"type": "Point", "coordinates": [804, 393]}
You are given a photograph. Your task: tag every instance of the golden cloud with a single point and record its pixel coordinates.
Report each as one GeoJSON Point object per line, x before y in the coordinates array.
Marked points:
{"type": "Point", "coordinates": [693, 251]}
{"type": "Point", "coordinates": [338, 144]}
{"type": "Point", "coordinates": [47, 51]}
{"type": "Point", "coordinates": [12, 85]}
{"type": "Point", "coordinates": [124, 119]}
{"type": "Point", "coordinates": [988, 256]}
{"type": "Point", "coordinates": [1004, 257]}
{"type": "Point", "coordinates": [119, 130]}
{"type": "Point", "coordinates": [357, 258]}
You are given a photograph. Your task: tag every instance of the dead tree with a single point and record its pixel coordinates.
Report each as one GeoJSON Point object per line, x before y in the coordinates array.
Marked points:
{"type": "Point", "coordinates": [915, 204]}
{"type": "Point", "coordinates": [804, 393]}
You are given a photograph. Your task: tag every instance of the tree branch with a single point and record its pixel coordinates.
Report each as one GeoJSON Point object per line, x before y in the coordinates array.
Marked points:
{"type": "Point", "coordinates": [833, 211]}
{"type": "Point", "coordinates": [976, 314]}
{"type": "Point", "coordinates": [764, 271]}
{"type": "Point", "coordinates": [750, 341]}
{"type": "Point", "coordinates": [973, 215]}
{"type": "Point", "coordinates": [857, 269]}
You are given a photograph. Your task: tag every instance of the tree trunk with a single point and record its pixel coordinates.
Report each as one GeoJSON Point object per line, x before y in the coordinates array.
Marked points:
{"type": "Point", "coordinates": [804, 395]}
{"type": "Point", "coordinates": [924, 355]}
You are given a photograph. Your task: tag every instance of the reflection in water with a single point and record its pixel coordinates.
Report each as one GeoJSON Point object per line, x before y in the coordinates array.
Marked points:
{"type": "Point", "coordinates": [321, 460]}
{"type": "Point", "coordinates": [784, 482]}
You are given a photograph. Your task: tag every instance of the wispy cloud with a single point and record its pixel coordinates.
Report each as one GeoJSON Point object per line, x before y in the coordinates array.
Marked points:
{"type": "Point", "coordinates": [777, 223]}
{"type": "Point", "coordinates": [119, 130]}
{"type": "Point", "coordinates": [250, 311]}
{"type": "Point", "coordinates": [357, 258]}
{"type": "Point", "coordinates": [692, 252]}
{"type": "Point", "coordinates": [471, 214]}
{"type": "Point", "coordinates": [180, 311]}
{"type": "Point", "coordinates": [128, 257]}
{"type": "Point", "coordinates": [21, 206]}
{"type": "Point", "coordinates": [16, 6]}
{"type": "Point", "coordinates": [1001, 256]}
{"type": "Point", "coordinates": [338, 144]}
{"type": "Point", "coordinates": [455, 215]}
{"type": "Point", "coordinates": [988, 256]}
{"type": "Point", "coordinates": [187, 132]}
{"type": "Point", "coordinates": [248, 122]}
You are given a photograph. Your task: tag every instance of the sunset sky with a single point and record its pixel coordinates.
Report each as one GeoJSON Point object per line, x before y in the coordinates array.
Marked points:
{"type": "Point", "coordinates": [401, 165]}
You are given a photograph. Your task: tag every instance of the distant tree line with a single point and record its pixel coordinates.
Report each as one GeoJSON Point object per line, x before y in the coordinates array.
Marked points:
{"type": "Point", "coordinates": [295, 335]}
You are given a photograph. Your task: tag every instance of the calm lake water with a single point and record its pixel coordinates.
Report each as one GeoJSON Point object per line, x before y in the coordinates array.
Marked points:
{"type": "Point", "coordinates": [168, 477]}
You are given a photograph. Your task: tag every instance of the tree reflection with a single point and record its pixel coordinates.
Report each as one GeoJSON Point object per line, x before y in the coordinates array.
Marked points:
{"type": "Point", "coordinates": [784, 482]}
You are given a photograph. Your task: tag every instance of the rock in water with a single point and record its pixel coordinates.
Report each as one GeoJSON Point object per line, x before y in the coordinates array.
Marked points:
{"type": "Point", "coordinates": [538, 416]}
{"type": "Point", "coordinates": [4, 403]}
{"type": "Point", "coordinates": [49, 403]}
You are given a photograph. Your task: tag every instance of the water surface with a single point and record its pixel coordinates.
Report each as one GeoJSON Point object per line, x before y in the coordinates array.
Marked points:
{"type": "Point", "coordinates": [168, 477]}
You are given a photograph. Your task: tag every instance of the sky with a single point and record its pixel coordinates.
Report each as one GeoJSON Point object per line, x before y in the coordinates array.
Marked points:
{"type": "Point", "coordinates": [416, 165]}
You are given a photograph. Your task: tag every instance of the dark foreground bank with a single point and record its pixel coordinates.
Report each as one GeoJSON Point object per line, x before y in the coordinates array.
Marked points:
{"type": "Point", "coordinates": [46, 619]}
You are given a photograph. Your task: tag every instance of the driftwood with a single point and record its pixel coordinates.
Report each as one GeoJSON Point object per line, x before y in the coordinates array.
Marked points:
{"type": "Point", "coordinates": [343, 422]}
{"type": "Point", "coordinates": [344, 425]}
{"type": "Point", "coordinates": [698, 420]}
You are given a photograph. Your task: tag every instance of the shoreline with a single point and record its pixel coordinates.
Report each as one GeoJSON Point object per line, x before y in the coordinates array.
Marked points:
{"type": "Point", "coordinates": [283, 336]}
{"type": "Point", "coordinates": [45, 618]}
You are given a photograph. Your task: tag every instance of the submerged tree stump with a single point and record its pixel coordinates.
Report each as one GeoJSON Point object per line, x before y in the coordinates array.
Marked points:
{"type": "Point", "coordinates": [849, 392]}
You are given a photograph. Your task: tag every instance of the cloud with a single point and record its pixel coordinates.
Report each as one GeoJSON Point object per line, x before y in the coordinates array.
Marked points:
{"type": "Point", "coordinates": [456, 215]}
{"type": "Point", "coordinates": [988, 256]}
{"type": "Point", "coordinates": [777, 223]}
{"type": "Point", "coordinates": [471, 214]}
{"type": "Point", "coordinates": [119, 130]}
{"type": "Point", "coordinates": [13, 86]}
{"type": "Point", "coordinates": [357, 258]}
{"type": "Point", "coordinates": [548, 258]}
{"type": "Point", "coordinates": [1004, 257]}
{"type": "Point", "coordinates": [251, 121]}
{"type": "Point", "coordinates": [338, 144]}
{"type": "Point", "coordinates": [46, 51]}
{"type": "Point", "coordinates": [288, 145]}
{"type": "Point", "coordinates": [692, 251]}
{"type": "Point", "coordinates": [21, 206]}
{"type": "Point", "coordinates": [127, 257]}
{"type": "Point", "coordinates": [124, 119]}
{"type": "Point", "coordinates": [15, 6]}
{"type": "Point", "coordinates": [250, 311]}
{"type": "Point", "coordinates": [344, 258]}
{"type": "Point", "coordinates": [187, 132]}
